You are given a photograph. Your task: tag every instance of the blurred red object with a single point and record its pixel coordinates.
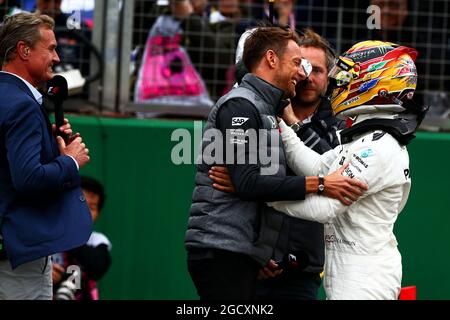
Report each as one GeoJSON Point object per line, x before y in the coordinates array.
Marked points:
{"type": "Point", "coordinates": [348, 122]}
{"type": "Point", "coordinates": [408, 293]}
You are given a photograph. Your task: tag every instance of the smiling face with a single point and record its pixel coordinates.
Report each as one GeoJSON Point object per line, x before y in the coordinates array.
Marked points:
{"type": "Point", "coordinates": [289, 71]}
{"type": "Point", "coordinates": [310, 90]}
{"type": "Point", "coordinates": [42, 57]}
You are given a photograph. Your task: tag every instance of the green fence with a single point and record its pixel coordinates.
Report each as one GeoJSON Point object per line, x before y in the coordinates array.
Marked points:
{"type": "Point", "coordinates": [148, 199]}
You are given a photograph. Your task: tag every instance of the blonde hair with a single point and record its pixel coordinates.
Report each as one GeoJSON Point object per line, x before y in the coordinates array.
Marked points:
{"type": "Point", "coordinates": [24, 27]}
{"type": "Point", "coordinates": [311, 39]}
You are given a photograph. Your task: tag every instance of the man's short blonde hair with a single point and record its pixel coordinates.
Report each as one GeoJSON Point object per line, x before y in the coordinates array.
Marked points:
{"type": "Point", "coordinates": [24, 27]}
{"type": "Point", "coordinates": [309, 38]}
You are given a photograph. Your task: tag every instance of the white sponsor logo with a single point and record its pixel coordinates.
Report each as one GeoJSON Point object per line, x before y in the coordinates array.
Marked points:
{"type": "Point", "coordinates": [237, 147]}
{"type": "Point", "coordinates": [238, 121]}
{"type": "Point", "coordinates": [331, 238]}
{"type": "Point", "coordinates": [237, 132]}
{"type": "Point", "coordinates": [354, 99]}
{"type": "Point", "coordinates": [237, 141]}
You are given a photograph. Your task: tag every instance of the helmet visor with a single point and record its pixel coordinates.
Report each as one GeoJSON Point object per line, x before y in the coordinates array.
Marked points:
{"type": "Point", "coordinates": [342, 72]}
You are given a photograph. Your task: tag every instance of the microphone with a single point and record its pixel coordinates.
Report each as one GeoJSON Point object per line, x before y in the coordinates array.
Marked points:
{"type": "Point", "coordinates": [57, 92]}
{"type": "Point", "coordinates": [296, 260]}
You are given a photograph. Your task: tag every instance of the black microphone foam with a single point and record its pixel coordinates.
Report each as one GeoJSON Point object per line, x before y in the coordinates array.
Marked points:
{"type": "Point", "coordinates": [57, 92]}
{"type": "Point", "coordinates": [57, 89]}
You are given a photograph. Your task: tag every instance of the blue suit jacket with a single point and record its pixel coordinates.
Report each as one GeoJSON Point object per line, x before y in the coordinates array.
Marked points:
{"type": "Point", "coordinates": [42, 208]}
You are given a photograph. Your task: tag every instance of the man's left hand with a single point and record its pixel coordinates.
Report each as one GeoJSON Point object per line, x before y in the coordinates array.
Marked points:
{"type": "Point", "coordinates": [66, 128]}
{"type": "Point", "coordinates": [271, 270]}
{"type": "Point", "coordinates": [57, 273]}
{"type": "Point", "coordinates": [222, 179]}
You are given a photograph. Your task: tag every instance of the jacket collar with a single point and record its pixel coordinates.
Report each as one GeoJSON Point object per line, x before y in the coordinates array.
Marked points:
{"type": "Point", "coordinates": [9, 78]}
{"type": "Point", "coordinates": [269, 93]}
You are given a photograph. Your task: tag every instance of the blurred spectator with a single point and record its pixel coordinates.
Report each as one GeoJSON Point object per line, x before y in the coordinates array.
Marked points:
{"type": "Point", "coordinates": [93, 258]}
{"type": "Point", "coordinates": [395, 21]}
{"type": "Point", "coordinates": [145, 15]}
{"type": "Point", "coordinates": [322, 16]}
{"type": "Point", "coordinates": [72, 34]}
{"type": "Point", "coordinates": [227, 27]}
{"type": "Point", "coordinates": [393, 13]}
{"type": "Point", "coordinates": [209, 43]}
{"type": "Point", "coordinates": [283, 13]}
{"type": "Point", "coordinates": [167, 75]}
{"type": "Point", "coordinates": [201, 8]}
{"type": "Point", "coordinates": [199, 41]}
{"type": "Point", "coordinates": [400, 23]}
{"type": "Point", "coordinates": [223, 10]}
{"type": "Point", "coordinates": [9, 7]}
{"type": "Point", "coordinates": [420, 24]}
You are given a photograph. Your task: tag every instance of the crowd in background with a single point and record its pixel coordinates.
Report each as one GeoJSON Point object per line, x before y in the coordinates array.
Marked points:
{"type": "Point", "coordinates": [209, 32]}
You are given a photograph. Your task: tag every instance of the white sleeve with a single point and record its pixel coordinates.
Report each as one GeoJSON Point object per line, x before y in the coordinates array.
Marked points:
{"type": "Point", "coordinates": [313, 208]}
{"type": "Point", "coordinates": [365, 164]}
{"type": "Point", "coordinates": [301, 159]}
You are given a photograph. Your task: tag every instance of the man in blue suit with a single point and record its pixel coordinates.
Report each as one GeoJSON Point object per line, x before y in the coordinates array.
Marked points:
{"type": "Point", "coordinates": [42, 208]}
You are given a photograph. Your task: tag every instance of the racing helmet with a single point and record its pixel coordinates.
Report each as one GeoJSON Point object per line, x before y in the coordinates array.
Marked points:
{"type": "Point", "coordinates": [373, 77]}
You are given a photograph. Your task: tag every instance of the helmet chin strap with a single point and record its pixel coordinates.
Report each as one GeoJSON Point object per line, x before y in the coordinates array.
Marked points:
{"type": "Point", "coordinates": [409, 105]}
{"type": "Point", "coordinates": [402, 129]}
{"type": "Point", "coordinates": [402, 126]}
{"type": "Point", "coordinates": [377, 115]}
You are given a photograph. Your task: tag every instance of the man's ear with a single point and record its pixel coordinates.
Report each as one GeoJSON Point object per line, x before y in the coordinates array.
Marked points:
{"type": "Point", "coordinates": [272, 58]}
{"type": "Point", "coordinates": [23, 50]}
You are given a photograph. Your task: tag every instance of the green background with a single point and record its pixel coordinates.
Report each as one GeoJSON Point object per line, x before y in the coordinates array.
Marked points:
{"type": "Point", "coordinates": [148, 200]}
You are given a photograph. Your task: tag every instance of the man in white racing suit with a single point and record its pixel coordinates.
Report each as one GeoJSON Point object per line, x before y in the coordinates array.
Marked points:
{"type": "Point", "coordinates": [362, 260]}
{"type": "Point", "coordinates": [372, 82]}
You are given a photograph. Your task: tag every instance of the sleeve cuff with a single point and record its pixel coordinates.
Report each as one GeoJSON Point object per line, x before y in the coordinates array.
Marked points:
{"type": "Point", "coordinates": [76, 163]}
{"type": "Point", "coordinates": [282, 125]}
